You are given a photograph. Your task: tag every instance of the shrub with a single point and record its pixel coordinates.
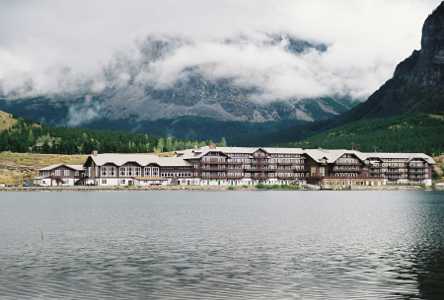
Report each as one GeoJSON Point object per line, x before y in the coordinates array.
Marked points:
{"type": "Point", "coordinates": [276, 187]}
{"type": "Point", "coordinates": [422, 186]}
{"type": "Point", "coordinates": [245, 186]}
{"type": "Point", "coordinates": [231, 188]}
{"type": "Point", "coordinates": [289, 187]}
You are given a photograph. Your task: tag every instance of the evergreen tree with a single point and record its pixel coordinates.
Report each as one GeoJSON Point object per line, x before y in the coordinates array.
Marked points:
{"type": "Point", "coordinates": [46, 149]}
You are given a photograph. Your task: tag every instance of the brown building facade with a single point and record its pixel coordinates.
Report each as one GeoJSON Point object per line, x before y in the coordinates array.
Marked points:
{"type": "Point", "coordinates": [211, 165]}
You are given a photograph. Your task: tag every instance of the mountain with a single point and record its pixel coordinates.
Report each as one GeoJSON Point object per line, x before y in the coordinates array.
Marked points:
{"type": "Point", "coordinates": [413, 133]}
{"type": "Point", "coordinates": [417, 86]}
{"type": "Point", "coordinates": [418, 81]}
{"type": "Point", "coordinates": [136, 93]}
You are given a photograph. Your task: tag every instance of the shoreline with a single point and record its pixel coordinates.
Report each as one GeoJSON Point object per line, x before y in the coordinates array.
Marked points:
{"type": "Point", "coordinates": [201, 188]}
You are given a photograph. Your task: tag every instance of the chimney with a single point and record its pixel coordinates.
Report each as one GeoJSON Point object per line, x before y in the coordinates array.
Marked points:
{"type": "Point", "coordinates": [212, 146]}
{"type": "Point", "coordinates": [95, 152]}
{"type": "Point", "coordinates": [195, 147]}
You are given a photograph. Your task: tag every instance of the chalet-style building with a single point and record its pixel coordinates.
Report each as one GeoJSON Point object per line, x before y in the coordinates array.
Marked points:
{"type": "Point", "coordinates": [57, 175]}
{"type": "Point", "coordinates": [330, 168]}
{"type": "Point", "coordinates": [138, 169]}
{"type": "Point", "coordinates": [211, 165]}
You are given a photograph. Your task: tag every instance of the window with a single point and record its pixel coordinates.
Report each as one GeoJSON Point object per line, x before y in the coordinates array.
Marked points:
{"type": "Point", "coordinates": [137, 171]}
{"type": "Point", "coordinates": [313, 171]}
{"type": "Point", "coordinates": [112, 171]}
{"type": "Point", "coordinates": [103, 181]}
{"type": "Point", "coordinates": [66, 173]}
{"type": "Point", "coordinates": [322, 171]}
{"type": "Point", "coordinates": [155, 171]}
{"type": "Point", "coordinates": [130, 171]}
{"type": "Point", "coordinates": [122, 172]}
{"type": "Point", "coordinates": [76, 173]}
{"type": "Point", "coordinates": [104, 171]}
{"type": "Point", "coordinates": [147, 171]}
{"type": "Point", "coordinates": [57, 172]}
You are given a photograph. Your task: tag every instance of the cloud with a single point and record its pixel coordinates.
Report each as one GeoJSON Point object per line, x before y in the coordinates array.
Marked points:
{"type": "Point", "coordinates": [83, 113]}
{"type": "Point", "coordinates": [77, 47]}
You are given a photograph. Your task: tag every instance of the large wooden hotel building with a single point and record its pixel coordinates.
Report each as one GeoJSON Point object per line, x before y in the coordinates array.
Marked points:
{"type": "Point", "coordinates": [211, 165]}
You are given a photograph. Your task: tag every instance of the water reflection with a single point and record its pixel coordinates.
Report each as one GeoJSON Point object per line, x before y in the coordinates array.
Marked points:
{"type": "Point", "coordinates": [236, 245]}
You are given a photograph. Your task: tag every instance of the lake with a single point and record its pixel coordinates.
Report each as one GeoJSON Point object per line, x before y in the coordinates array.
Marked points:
{"type": "Point", "coordinates": [222, 245]}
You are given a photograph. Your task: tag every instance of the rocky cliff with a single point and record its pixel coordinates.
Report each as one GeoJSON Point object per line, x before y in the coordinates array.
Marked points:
{"type": "Point", "coordinates": [429, 69]}
{"type": "Point", "coordinates": [418, 81]}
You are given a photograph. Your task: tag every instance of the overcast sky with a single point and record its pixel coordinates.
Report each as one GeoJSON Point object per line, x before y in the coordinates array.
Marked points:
{"type": "Point", "coordinates": [40, 40]}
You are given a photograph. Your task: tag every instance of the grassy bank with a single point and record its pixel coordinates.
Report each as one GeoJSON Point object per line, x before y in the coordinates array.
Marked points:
{"type": "Point", "coordinates": [261, 186]}
{"type": "Point", "coordinates": [19, 167]}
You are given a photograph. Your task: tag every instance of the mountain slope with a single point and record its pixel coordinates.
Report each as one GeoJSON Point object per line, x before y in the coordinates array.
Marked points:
{"type": "Point", "coordinates": [417, 86]}
{"type": "Point", "coordinates": [409, 133]}
{"type": "Point", "coordinates": [154, 84]}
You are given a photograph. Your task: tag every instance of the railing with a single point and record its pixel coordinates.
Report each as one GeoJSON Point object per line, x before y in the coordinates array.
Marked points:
{"type": "Point", "coordinates": [215, 177]}
{"type": "Point", "coordinates": [214, 162]}
{"type": "Point", "coordinates": [346, 170]}
{"type": "Point", "coordinates": [418, 172]}
{"type": "Point", "coordinates": [348, 164]}
{"type": "Point", "coordinates": [214, 169]}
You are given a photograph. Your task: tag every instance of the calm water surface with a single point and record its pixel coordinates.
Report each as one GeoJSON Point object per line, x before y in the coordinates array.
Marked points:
{"type": "Point", "coordinates": [222, 245]}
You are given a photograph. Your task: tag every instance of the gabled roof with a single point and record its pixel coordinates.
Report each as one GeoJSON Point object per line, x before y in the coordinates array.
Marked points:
{"type": "Point", "coordinates": [140, 159]}
{"type": "Point", "coordinates": [284, 150]}
{"type": "Point", "coordinates": [73, 167]}
{"type": "Point", "coordinates": [332, 155]}
{"type": "Point", "coordinates": [408, 156]}
{"type": "Point", "coordinates": [202, 151]}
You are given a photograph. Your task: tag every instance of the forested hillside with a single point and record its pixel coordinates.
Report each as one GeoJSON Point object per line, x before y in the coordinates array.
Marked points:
{"type": "Point", "coordinates": [413, 133]}
{"type": "Point", "coordinates": [23, 135]}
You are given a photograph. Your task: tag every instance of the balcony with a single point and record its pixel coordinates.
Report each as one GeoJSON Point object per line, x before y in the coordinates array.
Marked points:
{"type": "Point", "coordinates": [233, 176]}
{"type": "Point", "coordinates": [347, 170]}
{"type": "Point", "coordinates": [348, 164]}
{"type": "Point", "coordinates": [418, 172]}
{"type": "Point", "coordinates": [215, 177]}
{"type": "Point", "coordinates": [235, 163]}
{"type": "Point", "coordinates": [215, 162]}
{"type": "Point", "coordinates": [214, 169]}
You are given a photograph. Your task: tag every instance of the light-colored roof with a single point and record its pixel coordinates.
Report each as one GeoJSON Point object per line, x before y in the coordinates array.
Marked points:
{"type": "Point", "coordinates": [76, 167]}
{"type": "Point", "coordinates": [284, 150]}
{"type": "Point", "coordinates": [193, 154]}
{"type": "Point", "coordinates": [141, 159]}
{"type": "Point", "coordinates": [408, 156]}
{"type": "Point", "coordinates": [317, 154]}
{"type": "Point", "coordinates": [52, 167]}
{"type": "Point", "coordinates": [332, 155]}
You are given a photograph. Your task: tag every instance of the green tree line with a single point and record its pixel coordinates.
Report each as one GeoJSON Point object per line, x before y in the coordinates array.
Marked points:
{"type": "Point", "coordinates": [423, 133]}
{"type": "Point", "coordinates": [24, 135]}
